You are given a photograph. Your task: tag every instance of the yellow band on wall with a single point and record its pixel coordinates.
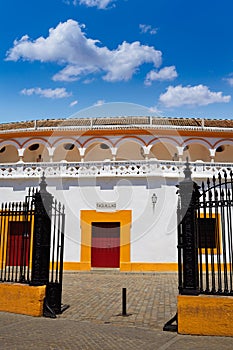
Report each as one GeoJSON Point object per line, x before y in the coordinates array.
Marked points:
{"type": "Point", "coordinates": [126, 267]}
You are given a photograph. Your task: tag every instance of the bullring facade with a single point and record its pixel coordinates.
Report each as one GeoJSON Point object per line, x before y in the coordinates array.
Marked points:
{"type": "Point", "coordinates": [117, 178]}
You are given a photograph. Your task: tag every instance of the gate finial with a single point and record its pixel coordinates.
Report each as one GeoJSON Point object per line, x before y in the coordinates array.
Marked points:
{"type": "Point", "coordinates": [43, 184]}
{"type": "Point", "coordinates": [187, 170]}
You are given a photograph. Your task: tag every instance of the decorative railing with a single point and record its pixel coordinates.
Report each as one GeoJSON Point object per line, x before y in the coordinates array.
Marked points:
{"type": "Point", "coordinates": [111, 168]}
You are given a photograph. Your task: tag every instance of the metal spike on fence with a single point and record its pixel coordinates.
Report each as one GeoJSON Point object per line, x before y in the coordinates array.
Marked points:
{"type": "Point", "coordinates": [203, 186]}
{"type": "Point", "coordinates": [210, 194]}
{"type": "Point", "coordinates": [214, 181]}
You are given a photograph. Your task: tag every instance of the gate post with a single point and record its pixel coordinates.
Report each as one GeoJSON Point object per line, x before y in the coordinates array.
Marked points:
{"type": "Point", "coordinates": [188, 192]}
{"type": "Point", "coordinates": [42, 233]}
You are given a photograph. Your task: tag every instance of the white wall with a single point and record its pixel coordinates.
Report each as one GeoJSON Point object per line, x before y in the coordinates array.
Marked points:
{"type": "Point", "coordinates": [153, 231]}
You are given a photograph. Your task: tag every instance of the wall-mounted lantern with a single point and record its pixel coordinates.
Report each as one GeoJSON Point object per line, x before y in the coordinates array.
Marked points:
{"type": "Point", "coordinates": [154, 200]}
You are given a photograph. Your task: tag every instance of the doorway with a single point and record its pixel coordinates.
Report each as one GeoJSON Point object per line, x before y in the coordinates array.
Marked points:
{"type": "Point", "coordinates": [105, 244]}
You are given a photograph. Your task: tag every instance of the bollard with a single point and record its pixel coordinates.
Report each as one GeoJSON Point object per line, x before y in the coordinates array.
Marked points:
{"type": "Point", "coordinates": [124, 302]}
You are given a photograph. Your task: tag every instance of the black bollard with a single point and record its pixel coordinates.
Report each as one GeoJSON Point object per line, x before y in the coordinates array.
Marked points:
{"type": "Point", "coordinates": [124, 302]}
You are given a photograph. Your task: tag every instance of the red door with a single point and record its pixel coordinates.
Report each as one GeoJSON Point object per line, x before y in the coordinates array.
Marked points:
{"type": "Point", "coordinates": [18, 243]}
{"type": "Point", "coordinates": [105, 244]}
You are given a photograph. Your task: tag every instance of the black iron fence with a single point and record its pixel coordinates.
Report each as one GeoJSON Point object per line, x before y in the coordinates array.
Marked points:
{"type": "Point", "coordinates": [205, 235]}
{"type": "Point", "coordinates": [32, 244]}
{"type": "Point", "coordinates": [16, 230]}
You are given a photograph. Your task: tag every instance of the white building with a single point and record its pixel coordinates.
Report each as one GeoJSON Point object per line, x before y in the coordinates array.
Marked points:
{"type": "Point", "coordinates": [117, 178]}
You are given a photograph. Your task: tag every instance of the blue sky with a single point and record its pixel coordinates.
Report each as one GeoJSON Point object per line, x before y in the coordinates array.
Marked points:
{"type": "Point", "coordinates": [61, 58]}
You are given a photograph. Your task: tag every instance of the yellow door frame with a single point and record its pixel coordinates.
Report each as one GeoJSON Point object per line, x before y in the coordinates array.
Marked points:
{"type": "Point", "coordinates": [89, 216]}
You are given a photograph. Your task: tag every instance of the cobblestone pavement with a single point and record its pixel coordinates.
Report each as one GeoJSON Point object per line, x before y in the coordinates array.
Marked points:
{"type": "Point", "coordinates": [151, 298]}
{"type": "Point", "coordinates": [91, 322]}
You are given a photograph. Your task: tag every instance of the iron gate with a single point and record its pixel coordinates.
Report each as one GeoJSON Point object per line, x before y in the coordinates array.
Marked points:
{"type": "Point", "coordinates": [205, 235]}
{"type": "Point", "coordinates": [32, 244]}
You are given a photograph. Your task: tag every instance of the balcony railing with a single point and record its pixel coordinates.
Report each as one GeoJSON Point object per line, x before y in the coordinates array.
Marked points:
{"type": "Point", "coordinates": [111, 168]}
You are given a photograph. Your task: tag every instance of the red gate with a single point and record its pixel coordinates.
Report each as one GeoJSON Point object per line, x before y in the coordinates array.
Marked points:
{"type": "Point", "coordinates": [105, 244]}
{"type": "Point", "coordinates": [18, 243]}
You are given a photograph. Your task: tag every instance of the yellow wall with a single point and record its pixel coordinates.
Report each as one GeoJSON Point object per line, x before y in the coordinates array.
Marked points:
{"type": "Point", "coordinates": [205, 315]}
{"type": "Point", "coordinates": [22, 299]}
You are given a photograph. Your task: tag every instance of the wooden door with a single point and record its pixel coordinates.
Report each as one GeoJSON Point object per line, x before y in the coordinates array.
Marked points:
{"type": "Point", "coordinates": [105, 244]}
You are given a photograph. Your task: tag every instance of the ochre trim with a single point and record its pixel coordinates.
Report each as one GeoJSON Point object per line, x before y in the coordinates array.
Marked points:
{"type": "Point", "coordinates": [126, 267]}
{"type": "Point", "coordinates": [89, 216]}
{"type": "Point", "coordinates": [205, 315]}
{"type": "Point", "coordinates": [159, 267]}
{"type": "Point", "coordinates": [137, 131]}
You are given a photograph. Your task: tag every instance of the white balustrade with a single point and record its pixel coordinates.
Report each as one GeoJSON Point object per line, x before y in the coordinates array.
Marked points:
{"type": "Point", "coordinates": [132, 168]}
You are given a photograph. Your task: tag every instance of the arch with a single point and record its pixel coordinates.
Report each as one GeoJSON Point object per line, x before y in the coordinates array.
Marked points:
{"type": "Point", "coordinates": [39, 140]}
{"type": "Point", "coordinates": [163, 150]}
{"type": "Point", "coordinates": [130, 150]}
{"type": "Point", "coordinates": [98, 151]}
{"type": "Point", "coordinates": [38, 153]}
{"type": "Point", "coordinates": [165, 139]}
{"type": "Point", "coordinates": [10, 142]}
{"type": "Point", "coordinates": [67, 150]}
{"type": "Point", "coordinates": [200, 141]}
{"type": "Point", "coordinates": [93, 140]}
{"type": "Point", "coordinates": [63, 140]}
{"type": "Point", "coordinates": [224, 151]}
{"type": "Point", "coordinates": [135, 139]}
{"type": "Point", "coordinates": [222, 142]}
{"type": "Point", "coordinates": [196, 151]}
{"type": "Point", "coordinates": [8, 153]}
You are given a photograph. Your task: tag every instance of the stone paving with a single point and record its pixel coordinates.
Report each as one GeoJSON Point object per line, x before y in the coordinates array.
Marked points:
{"type": "Point", "coordinates": [92, 321]}
{"type": "Point", "coordinates": [151, 298]}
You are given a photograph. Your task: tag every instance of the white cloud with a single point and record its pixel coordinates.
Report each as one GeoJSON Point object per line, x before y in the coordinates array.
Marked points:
{"type": "Point", "coordinates": [230, 81]}
{"type": "Point", "coordinates": [99, 103]}
{"type": "Point", "coordinates": [155, 110]}
{"type": "Point", "coordinates": [100, 4]}
{"type": "Point", "coordinates": [48, 93]}
{"type": "Point", "coordinates": [88, 81]}
{"type": "Point", "coordinates": [67, 44]}
{"type": "Point", "coordinates": [198, 95]}
{"type": "Point", "coordinates": [166, 73]}
{"type": "Point", "coordinates": [74, 103]}
{"type": "Point", "coordinates": [147, 28]}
